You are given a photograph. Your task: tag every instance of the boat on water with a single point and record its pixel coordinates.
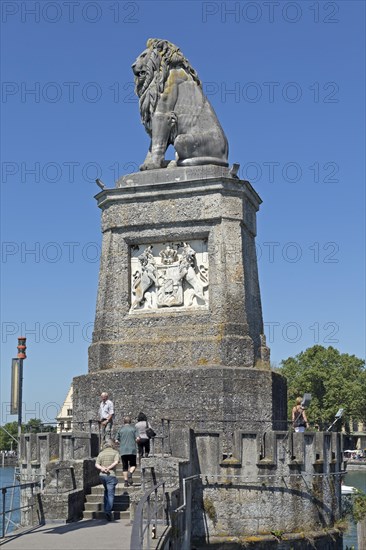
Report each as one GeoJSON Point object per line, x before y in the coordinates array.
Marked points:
{"type": "Point", "coordinates": [354, 454]}
{"type": "Point", "coordinates": [354, 459]}
{"type": "Point", "coordinates": [348, 490]}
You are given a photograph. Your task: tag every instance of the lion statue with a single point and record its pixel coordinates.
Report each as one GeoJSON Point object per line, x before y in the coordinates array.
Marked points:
{"type": "Point", "coordinates": [174, 110]}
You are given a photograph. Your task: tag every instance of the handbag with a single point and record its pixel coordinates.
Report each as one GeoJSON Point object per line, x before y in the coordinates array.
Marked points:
{"type": "Point", "coordinates": [149, 431]}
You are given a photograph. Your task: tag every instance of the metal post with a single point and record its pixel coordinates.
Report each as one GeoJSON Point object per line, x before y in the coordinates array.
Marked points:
{"type": "Point", "coordinates": [143, 479]}
{"type": "Point", "coordinates": [162, 438]}
{"type": "Point", "coordinates": [20, 397]}
{"type": "Point", "coordinates": [90, 438]}
{"type": "Point", "coordinates": [148, 521]}
{"type": "Point", "coordinates": [3, 513]}
{"type": "Point", "coordinates": [169, 446]}
{"type": "Point", "coordinates": [21, 356]}
{"type": "Point", "coordinates": [142, 528]}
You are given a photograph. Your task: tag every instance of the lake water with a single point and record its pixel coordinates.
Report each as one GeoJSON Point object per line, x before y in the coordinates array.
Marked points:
{"type": "Point", "coordinates": [354, 478]}
{"type": "Point", "coordinates": [6, 480]}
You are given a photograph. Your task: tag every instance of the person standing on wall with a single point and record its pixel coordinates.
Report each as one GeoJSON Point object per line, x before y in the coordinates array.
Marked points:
{"type": "Point", "coordinates": [106, 414]}
{"type": "Point", "coordinates": [127, 437]}
{"type": "Point", "coordinates": [299, 419]}
{"type": "Point", "coordinates": [106, 462]}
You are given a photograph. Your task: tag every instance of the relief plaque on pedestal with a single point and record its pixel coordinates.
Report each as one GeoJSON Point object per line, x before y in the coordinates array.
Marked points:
{"type": "Point", "coordinates": [169, 275]}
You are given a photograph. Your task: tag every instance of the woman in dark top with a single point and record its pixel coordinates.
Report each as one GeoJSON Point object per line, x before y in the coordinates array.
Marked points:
{"type": "Point", "coordinates": [299, 419]}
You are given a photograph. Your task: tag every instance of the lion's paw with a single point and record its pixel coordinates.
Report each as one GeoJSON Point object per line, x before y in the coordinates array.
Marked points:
{"type": "Point", "coordinates": [149, 166]}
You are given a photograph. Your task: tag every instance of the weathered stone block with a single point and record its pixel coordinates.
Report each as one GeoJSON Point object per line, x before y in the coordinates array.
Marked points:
{"type": "Point", "coordinates": [243, 503]}
{"type": "Point", "coordinates": [208, 398]}
{"type": "Point", "coordinates": [184, 231]}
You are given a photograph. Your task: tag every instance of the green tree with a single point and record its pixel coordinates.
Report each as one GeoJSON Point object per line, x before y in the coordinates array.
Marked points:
{"type": "Point", "coordinates": [335, 380]}
{"type": "Point", "coordinates": [9, 432]}
{"type": "Point", "coordinates": [35, 425]}
{"type": "Point", "coordinates": [6, 432]}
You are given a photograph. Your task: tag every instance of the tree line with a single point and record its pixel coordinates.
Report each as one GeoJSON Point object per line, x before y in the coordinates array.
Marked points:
{"type": "Point", "coordinates": [335, 380]}
{"type": "Point", "coordinates": [9, 432]}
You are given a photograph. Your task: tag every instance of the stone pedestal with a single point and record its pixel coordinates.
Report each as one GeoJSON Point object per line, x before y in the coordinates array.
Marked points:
{"type": "Point", "coordinates": [204, 312]}
{"type": "Point", "coordinates": [179, 335]}
{"type": "Point", "coordinates": [178, 330]}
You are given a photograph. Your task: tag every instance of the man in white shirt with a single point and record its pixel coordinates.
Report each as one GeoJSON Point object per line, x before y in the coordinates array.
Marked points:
{"type": "Point", "coordinates": [106, 413]}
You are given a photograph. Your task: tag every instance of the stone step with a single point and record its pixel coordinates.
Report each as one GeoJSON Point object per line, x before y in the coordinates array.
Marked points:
{"type": "Point", "coordinates": [119, 467]}
{"type": "Point", "coordinates": [124, 497]}
{"type": "Point", "coordinates": [136, 477]}
{"type": "Point", "coordinates": [119, 470]}
{"type": "Point", "coordinates": [120, 489]}
{"type": "Point", "coordinates": [101, 515]}
{"type": "Point", "coordinates": [93, 507]}
{"type": "Point", "coordinates": [121, 479]}
{"type": "Point", "coordinates": [98, 506]}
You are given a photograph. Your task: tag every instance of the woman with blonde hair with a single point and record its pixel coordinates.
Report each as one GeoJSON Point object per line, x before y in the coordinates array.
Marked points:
{"type": "Point", "coordinates": [299, 419]}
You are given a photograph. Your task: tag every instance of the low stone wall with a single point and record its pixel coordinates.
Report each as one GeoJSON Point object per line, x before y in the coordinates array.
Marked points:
{"type": "Point", "coordinates": [70, 475]}
{"type": "Point", "coordinates": [8, 461]}
{"type": "Point", "coordinates": [278, 489]}
{"type": "Point", "coordinates": [284, 481]}
{"type": "Point", "coordinates": [64, 507]}
{"type": "Point", "coordinates": [41, 448]}
{"type": "Point", "coordinates": [331, 540]}
{"type": "Point", "coordinates": [63, 464]}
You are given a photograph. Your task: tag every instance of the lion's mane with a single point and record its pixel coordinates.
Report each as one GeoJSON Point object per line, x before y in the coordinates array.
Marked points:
{"type": "Point", "coordinates": [162, 56]}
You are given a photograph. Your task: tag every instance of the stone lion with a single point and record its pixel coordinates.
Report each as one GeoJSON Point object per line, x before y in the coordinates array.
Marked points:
{"type": "Point", "coordinates": [174, 110]}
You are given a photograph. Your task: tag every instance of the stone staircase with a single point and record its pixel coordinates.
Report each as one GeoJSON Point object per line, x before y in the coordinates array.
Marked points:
{"type": "Point", "coordinates": [93, 507]}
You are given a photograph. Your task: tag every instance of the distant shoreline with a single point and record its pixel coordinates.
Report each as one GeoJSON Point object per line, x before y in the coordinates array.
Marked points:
{"type": "Point", "coordinates": [355, 465]}
{"type": "Point", "coordinates": [8, 461]}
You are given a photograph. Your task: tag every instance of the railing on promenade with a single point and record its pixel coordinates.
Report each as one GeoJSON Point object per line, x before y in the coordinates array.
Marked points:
{"type": "Point", "coordinates": [160, 444]}
{"type": "Point", "coordinates": [72, 479]}
{"type": "Point", "coordinates": [151, 514]}
{"type": "Point", "coordinates": [6, 513]}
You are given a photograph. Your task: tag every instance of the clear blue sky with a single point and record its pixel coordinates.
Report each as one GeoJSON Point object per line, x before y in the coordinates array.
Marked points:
{"type": "Point", "coordinates": [287, 80]}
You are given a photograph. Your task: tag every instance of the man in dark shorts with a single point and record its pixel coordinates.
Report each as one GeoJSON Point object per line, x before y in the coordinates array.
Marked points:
{"type": "Point", "coordinates": [127, 437]}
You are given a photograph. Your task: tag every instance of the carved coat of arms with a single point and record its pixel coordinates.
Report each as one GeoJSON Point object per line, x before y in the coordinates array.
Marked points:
{"type": "Point", "coordinates": [171, 278]}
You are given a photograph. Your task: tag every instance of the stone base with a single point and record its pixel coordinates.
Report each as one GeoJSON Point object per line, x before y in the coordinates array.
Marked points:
{"type": "Point", "coordinates": [153, 311]}
{"type": "Point", "coordinates": [330, 540]}
{"type": "Point", "coordinates": [215, 398]}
